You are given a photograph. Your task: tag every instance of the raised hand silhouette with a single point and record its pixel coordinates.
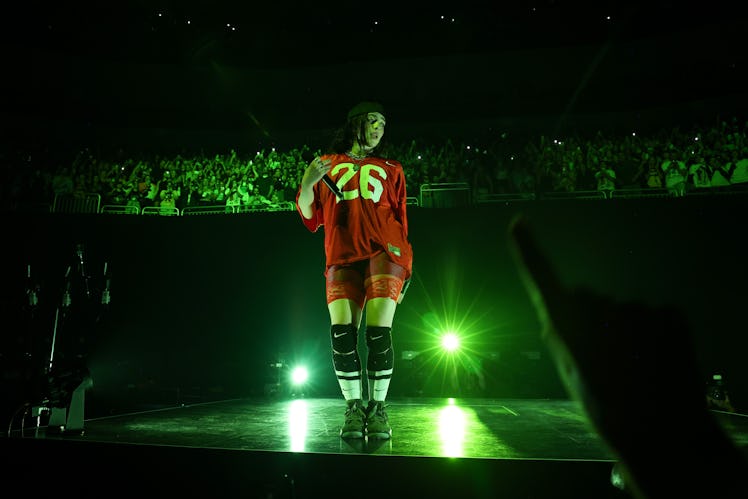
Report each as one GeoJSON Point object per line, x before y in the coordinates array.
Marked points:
{"type": "Point", "coordinates": [633, 369]}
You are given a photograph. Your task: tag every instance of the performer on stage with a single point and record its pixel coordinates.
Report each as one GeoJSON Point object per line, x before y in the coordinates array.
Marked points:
{"type": "Point", "coordinates": [368, 259]}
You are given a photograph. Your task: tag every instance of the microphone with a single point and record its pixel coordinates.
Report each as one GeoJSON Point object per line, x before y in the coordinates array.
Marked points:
{"type": "Point", "coordinates": [333, 186]}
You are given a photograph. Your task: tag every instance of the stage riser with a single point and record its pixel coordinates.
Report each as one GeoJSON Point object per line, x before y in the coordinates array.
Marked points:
{"type": "Point", "coordinates": [88, 469]}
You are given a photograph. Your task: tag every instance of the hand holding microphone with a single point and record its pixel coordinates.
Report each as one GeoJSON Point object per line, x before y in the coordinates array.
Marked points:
{"type": "Point", "coordinates": [333, 186]}
{"type": "Point", "coordinates": [318, 171]}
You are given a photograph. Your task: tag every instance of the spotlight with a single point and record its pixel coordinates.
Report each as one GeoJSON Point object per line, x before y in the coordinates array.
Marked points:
{"type": "Point", "coordinates": [300, 375]}
{"type": "Point", "coordinates": [299, 378]}
{"type": "Point", "coordinates": [450, 342]}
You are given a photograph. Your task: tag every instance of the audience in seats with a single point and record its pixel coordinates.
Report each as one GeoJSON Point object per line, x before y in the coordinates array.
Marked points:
{"type": "Point", "coordinates": [606, 180]}
{"type": "Point", "coordinates": [706, 156]}
{"type": "Point", "coordinates": [721, 175]}
{"type": "Point", "coordinates": [676, 174]}
{"type": "Point", "coordinates": [233, 202]}
{"type": "Point", "coordinates": [700, 173]}
{"type": "Point", "coordinates": [739, 168]}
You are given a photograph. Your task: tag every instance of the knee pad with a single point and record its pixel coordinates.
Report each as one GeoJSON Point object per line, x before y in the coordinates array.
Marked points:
{"type": "Point", "coordinates": [379, 342]}
{"type": "Point", "coordinates": [344, 347]}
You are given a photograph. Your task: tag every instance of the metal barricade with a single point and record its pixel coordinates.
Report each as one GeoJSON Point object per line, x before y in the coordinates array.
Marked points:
{"type": "Point", "coordinates": [207, 210]}
{"type": "Point", "coordinates": [120, 209]}
{"type": "Point", "coordinates": [641, 193]}
{"type": "Point", "coordinates": [445, 195]}
{"type": "Point", "coordinates": [282, 206]}
{"type": "Point", "coordinates": [71, 203]}
{"type": "Point", "coordinates": [168, 211]}
{"type": "Point", "coordinates": [505, 197]}
{"type": "Point", "coordinates": [573, 195]}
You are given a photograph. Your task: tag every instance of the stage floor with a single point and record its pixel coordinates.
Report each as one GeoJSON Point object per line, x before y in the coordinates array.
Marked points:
{"type": "Point", "coordinates": [291, 448]}
{"type": "Point", "coordinates": [472, 428]}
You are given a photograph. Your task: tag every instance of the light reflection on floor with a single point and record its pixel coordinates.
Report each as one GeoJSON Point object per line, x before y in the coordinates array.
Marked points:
{"type": "Point", "coordinates": [430, 427]}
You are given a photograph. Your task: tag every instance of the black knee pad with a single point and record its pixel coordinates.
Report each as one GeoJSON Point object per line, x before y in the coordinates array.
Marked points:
{"type": "Point", "coordinates": [379, 341]}
{"type": "Point", "coordinates": [344, 338]}
{"type": "Point", "coordinates": [344, 347]}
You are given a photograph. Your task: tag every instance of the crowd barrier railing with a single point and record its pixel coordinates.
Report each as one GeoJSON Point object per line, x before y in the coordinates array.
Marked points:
{"type": "Point", "coordinates": [219, 209]}
{"type": "Point", "coordinates": [120, 209]}
{"type": "Point", "coordinates": [282, 206]}
{"type": "Point", "coordinates": [170, 211]}
{"type": "Point", "coordinates": [641, 193]}
{"type": "Point", "coordinates": [445, 195]}
{"type": "Point", "coordinates": [584, 194]}
{"type": "Point", "coordinates": [72, 203]}
{"type": "Point", "coordinates": [431, 196]}
{"type": "Point", "coordinates": [487, 198]}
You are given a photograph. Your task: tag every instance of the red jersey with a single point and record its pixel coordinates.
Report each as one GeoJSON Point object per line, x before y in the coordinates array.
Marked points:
{"type": "Point", "coordinates": [370, 217]}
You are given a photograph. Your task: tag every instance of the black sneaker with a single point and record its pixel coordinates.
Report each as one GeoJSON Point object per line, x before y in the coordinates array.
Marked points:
{"type": "Point", "coordinates": [355, 420]}
{"type": "Point", "coordinates": [377, 422]}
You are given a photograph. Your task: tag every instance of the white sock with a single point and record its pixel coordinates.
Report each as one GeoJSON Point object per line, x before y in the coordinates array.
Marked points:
{"type": "Point", "coordinates": [350, 384]}
{"type": "Point", "coordinates": [379, 384]}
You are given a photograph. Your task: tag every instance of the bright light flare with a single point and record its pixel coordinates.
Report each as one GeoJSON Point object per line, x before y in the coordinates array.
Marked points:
{"type": "Point", "coordinates": [299, 375]}
{"type": "Point", "coordinates": [450, 342]}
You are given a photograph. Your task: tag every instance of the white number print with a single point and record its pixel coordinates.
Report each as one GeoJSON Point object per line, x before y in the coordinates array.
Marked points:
{"type": "Point", "coordinates": [365, 179]}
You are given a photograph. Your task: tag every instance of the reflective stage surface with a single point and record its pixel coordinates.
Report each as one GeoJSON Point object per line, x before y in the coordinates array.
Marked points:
{"type": "Point", "coordinates": [291, 448]}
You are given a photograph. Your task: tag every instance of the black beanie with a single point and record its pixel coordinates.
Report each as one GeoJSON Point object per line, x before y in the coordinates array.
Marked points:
{"type": "Point", "coordinates": [365, 107]}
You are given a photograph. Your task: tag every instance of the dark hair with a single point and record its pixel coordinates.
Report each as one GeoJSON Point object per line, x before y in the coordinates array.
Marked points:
{"type": "Point", "coordinates": [354, 130]}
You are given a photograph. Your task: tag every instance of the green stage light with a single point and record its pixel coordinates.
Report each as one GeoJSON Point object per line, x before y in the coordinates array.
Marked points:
{"type": "Point", "coordinates": [299, 375]}
{"type": "Point", "coordinates": [450, 342]}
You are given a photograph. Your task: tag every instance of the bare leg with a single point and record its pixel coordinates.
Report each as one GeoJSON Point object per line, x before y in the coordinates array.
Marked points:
{"type": "Point", "coordinates": [344, 311]}
{"type": "Point", "coordinates": [380, 312]}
